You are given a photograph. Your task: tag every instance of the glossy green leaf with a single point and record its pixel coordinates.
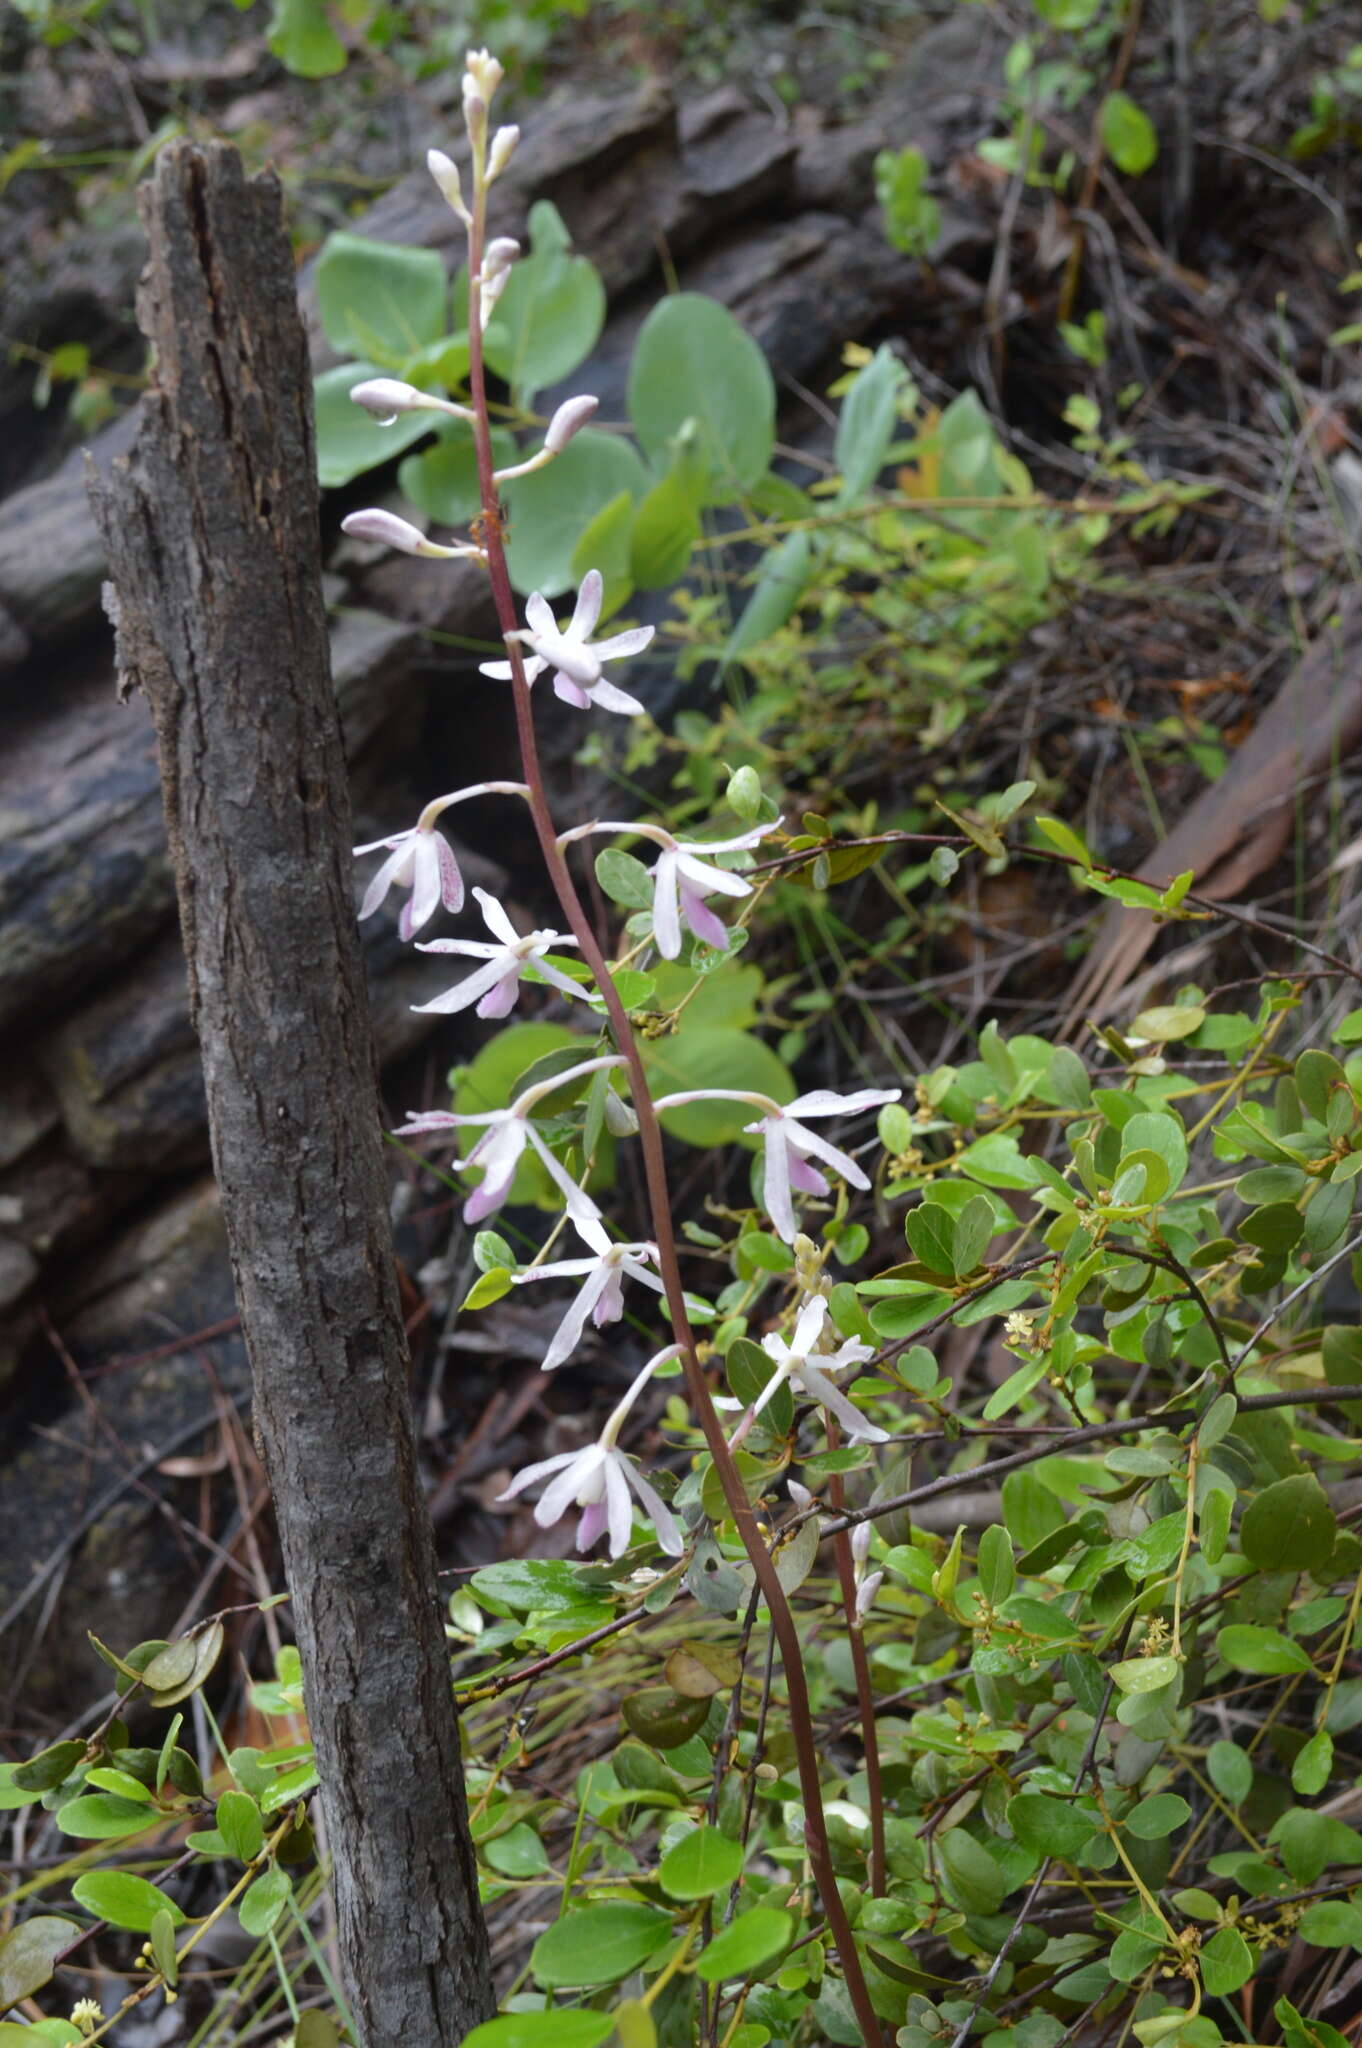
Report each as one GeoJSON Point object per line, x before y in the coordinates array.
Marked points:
{"type": "Point", "coordinates": [745, 1944]}
{"type": "Point", "coordinates": [263, 1900]}
{"type": "Point", "coordinates": [1128, 134]}
{"type": "Point", "coordinates": [549, 509]}
{"type": "Point", "coordinates": [26, 1955]}
{"type": "Point", "coordinates": [1261, 1650]}
{"type": "Point", "coordinates": [240, 1825]}
{"type": "Point", "coordinates": [692, 361]}
{"type": "Point", "coordinates": [380, 292]}
{"type": "Point", "coordinates": [598, 1944]}
{"type": "Point", "coordinates": [1290, 1526]}
{"type": "Point", "coordinates": [702, 1862]}
{"type": "Point", "coordinates": [123, 1899]}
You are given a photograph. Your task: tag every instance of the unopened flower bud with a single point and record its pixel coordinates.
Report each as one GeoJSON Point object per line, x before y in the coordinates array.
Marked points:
{"type": "Point", "coordinates": [860, 1541]}
{"type": "Point", "coordinates": [502, 150]}
{"type": "Point", "coordinates": [800, 1495]}
{"type": "Point", "coordinates": [498, 257]}
{"type": "Point", "coordinates": [865, 1593]}
{"type": "Point", "coordinates": [392, 532]}
{"type": "Point", "coordinates": [446, 175]}
{"type": "Point", "coordinates": [485, 74]}
{"type": "Point", "coordinates": [620, 1120]}
{"type": "Point", "coordinates": [474, 115]}
{"type": "Point", "coordinates": [571, 416]}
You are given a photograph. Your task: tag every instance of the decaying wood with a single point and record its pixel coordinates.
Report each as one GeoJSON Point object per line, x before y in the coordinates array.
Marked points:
{"type": "Point", "coordinates": [1239, 825]}
{"type": "Point", "coordinates": [211, 526]}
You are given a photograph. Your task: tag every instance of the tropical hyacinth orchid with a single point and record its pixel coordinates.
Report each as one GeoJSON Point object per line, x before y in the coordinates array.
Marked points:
{"type": "Point", "coordinates": [422, 860]}
{"type": "Point", "coordinates": [495, 986]}
{"type": "Point", "coordinates": [801, 1364]}
{"type": "Point", "coordinates": [682, 877]}
{"type": "Point", "coordinates": [788, 1142]}
{"type": "Point", "coordinates": [498, 1152]}
{"type": "Point", "coordinates": [598, 1479]}
{"type": "Point", "coordinates": [571, 654]}
{"type": "Point", "coordinates": [601, 1295]}
{"type": "Point", "coordinates": [390, 531]}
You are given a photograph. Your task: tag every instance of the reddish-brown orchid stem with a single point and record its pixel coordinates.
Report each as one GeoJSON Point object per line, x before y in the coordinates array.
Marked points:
{"type": "Point", "coordinates": [865, 1692]}
{"type": "Point", "coordinates": [655, 1174]}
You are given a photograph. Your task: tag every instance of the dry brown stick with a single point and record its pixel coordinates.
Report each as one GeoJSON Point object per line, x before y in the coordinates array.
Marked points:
{"type": "Point", "coordinates": [211, 525]}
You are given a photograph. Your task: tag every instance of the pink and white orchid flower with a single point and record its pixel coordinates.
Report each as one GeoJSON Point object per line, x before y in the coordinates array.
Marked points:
{"type": "Point", "coordinates": [422, 860]}
{"type": "Point", "coordinates": [601, 1295]}
{"type": "Point", "coordinates": [575, 659]}
{"type": "Point", "coordinates": [598, 1480]}
{"type": "Point", "coordinates": [498, 1151]}
{"type": "Point", "coordinates": [682, 878]}
{"type": "Point", "coordinates": [801, 1364]}
{"type": "Point", "coordinates": [788, 1142]}
{"type": "Point", "coordinates": [495, 987]}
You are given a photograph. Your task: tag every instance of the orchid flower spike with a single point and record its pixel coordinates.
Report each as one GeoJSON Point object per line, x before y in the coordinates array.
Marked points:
{"type": "Point", "coordinates": [802, 1364]}
{"type": "Point", "coordinates": [682, 879]}
{"type": "Point", "coordinates": [601, 1295]}
{"type": "Point", "coordinates": [788, 1142]}
{"type": "Point", "coordinates": [571, 653]}
{"type": "Point", "coordinates": [422, 860]}
{"type": "Point", "coordinates": [392, 532]}
{"type": "Point", "coordinates": [495, 987]}
{"type": "Point", "coordinates": [498, 1151]}
{"type": "Point", "coordinates": [386, 397]}
{"type": "Point", "coordinates": [598, 1479]}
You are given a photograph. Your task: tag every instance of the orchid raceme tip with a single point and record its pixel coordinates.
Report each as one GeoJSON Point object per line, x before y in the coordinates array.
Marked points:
{"type": "Point", "coordinates": [601, 1296]}
{"type": "Point", "coordinates": [495, 986]}
{"type": "Point", "coordinates": [573, 656]}
{"type": "Point", "coordinates": [788, 1142]}
{"type": "Point", "coordinates": [599, 1479]}
{"type": "Point", "coordinates": [422, 860]}
{"type": "Point", "coordinates": [801, 1364]}
{"type": "Point", "coordinates": [682, 876]}
{"type": "Point", "coordinates": [498, 1152]}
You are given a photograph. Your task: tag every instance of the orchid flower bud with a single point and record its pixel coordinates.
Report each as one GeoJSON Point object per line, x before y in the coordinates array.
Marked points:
{"type": "Point", "coordinates": [800, 1495]}
{"type": "Point", "coordinates": [386, 397]}
{"type": "Point", "coordinates": [474, 118]}
{"type": "Point", "coordinates": [446, 175]}
{"type": "Point", "coordinates": [571, 416]}
{"type": "Point", "coordinates": [485, 74]}
{"type": "Point", "coordinates": [498, 257]}
{"type": "Point", "coordinates": [860, 1541]}
{"type": "Point", "coordinates": [865, 1594]}
{"type": "Point", "coordinates": [502, 150]}
{"type": "Point", "coordinates": [392, 532]}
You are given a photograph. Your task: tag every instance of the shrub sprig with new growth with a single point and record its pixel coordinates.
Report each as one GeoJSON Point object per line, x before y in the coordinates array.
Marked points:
{"type": "Point", "coordinates": [1102, 1775]}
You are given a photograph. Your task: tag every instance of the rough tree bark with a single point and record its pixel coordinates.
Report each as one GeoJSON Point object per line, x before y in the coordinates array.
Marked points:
{"type": "Point", "coordinates": [211, 527]}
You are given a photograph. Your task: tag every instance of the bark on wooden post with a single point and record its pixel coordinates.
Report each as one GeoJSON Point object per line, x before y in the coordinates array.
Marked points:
{"type": "Point", "coordinates": [211, 526]}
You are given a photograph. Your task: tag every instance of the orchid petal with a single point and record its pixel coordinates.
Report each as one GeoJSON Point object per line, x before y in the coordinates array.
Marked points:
{"type": "Point", "coordinates": [666, 909]}
{"type": "Point", "coordinates": [469, 991]}
{"type": "Point", "coordinates": [703, 875]}
{"type": "Point", "coordinates": [805, 1141]}
{"type": "Point", "coordinates": [500, 999]}
{"type": "Point", "coordinates": [569, 1486]}
{"type": "Point", "coordinates": [588, 607]}
{"type": "Point", "coordinates": [823, 1101]}
{"type": "Point", "coordinates": [776, 1182]}
{"type": "Point", "coordinates": [607, 698]}
{"type": "Point", "coordinates": [857, 1428]}
{"type": "Point", "coordinates": [620, 645]}
{"type": "Point", "coordinates": [664, 1522]}
{"type": "Point", "coordinates": [539, 1471]}
{"type": "Point", "coordinates": [701, 919]}
{"type": "Point", "coordinates": [619, 1506]}
{"type": "Point", "coordinates": [570, 692]}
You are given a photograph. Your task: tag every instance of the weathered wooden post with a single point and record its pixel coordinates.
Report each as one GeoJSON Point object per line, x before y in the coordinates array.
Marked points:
{"type": "Point", "coordinates": [211, 526]}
